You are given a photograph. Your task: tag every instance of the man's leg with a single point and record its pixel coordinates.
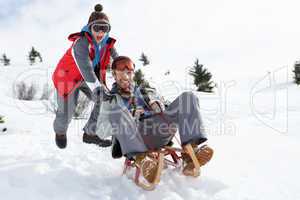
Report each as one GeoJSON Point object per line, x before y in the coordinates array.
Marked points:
{"type": "Point", "coordinates": [64, 114]}
{"type": "Point", "coordinates": [147, 169]}
{"type": "Point", "coordinates": [185, 112]}
{"type": "Point", "coordinates": [157, 132]}
{"type": "Point", "coordinates": [125, 130]}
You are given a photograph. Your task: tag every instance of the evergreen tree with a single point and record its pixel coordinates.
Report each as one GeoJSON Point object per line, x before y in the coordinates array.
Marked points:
{"type": "Point", "coordinates": [33, 54]}
{"type": "Point", "coordinates": [297, 72]}
{"type": "Point", "coordinates": [1, 119]}
{"type": "Point", "coordinates": [139, 79]}
{"type": "Point", "coordinates": [202, 78]}
{"type": "Point", "coordinates": [5, 60]}
{"type": "Point", "coordinates": [167, 73]}
{"type": "Point", "coordinates": [144, 59]}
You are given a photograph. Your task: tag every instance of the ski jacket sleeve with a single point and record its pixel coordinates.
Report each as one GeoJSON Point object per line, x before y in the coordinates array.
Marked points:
{"type": "Point", "coordinates": [113, 53]}
{"type": "Point", "coordinates": [82, 59]}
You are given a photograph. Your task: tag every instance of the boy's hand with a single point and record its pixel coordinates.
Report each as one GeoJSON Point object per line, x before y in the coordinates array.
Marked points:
{"type": "Point", "coordinates": [96, 94]}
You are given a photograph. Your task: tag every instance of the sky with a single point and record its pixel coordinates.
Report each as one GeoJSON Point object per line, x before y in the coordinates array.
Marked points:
{"type": "Point", "coordinates": [232, 38]}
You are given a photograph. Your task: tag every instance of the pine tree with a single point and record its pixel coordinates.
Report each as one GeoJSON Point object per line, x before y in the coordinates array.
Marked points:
{"type": "Point", "coordinates": [144, 59]}
{"type": "Point", "coordinates": [297, 72]}
{"type": "Point", "coordinates": [167, 73]}
{"type": "Point", "coordinates": [5, 60]}
{"type": "Point", "coordinates": [33, 54]}
{"type": "Point", "coordinates": [139, 79]}
{"type": "Point", "coordinates": [202, 78]}
{"type": "Point", "coordinates": [1, 119]}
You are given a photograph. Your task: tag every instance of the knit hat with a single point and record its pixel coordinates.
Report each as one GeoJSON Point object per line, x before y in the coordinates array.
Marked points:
{"type": "Point", "coordinates": [98, 16]}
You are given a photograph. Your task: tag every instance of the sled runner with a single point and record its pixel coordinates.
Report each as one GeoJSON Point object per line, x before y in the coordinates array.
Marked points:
{"type": "Point", "coordinates": [158, 158]}
{"type": "Point", "coordinates": [169, 156]}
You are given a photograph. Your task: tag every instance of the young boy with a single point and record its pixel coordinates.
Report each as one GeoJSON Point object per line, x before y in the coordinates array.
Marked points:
{"type": "Point", "coordinates": [83, 68]}
{"type": "Point", "coordinates": [141, 123]}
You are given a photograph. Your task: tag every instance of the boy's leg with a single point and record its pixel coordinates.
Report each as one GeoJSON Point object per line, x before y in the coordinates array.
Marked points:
{"type": "Point", "coordinates": [65, 112]}
{"type": "Point", "coordinates": [90, 126]}
{"type": "Point", "coordinates": [89, 129]}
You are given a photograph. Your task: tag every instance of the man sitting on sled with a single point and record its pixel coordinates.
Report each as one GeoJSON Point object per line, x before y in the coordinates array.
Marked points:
{"type": "Point", "coordinates": [142, 125]}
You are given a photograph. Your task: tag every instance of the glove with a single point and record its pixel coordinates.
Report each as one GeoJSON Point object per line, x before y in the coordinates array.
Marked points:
{"type": "Point", "coordinates": [107, 96]}
{"type": "Point", "coordinates": [146, 115]}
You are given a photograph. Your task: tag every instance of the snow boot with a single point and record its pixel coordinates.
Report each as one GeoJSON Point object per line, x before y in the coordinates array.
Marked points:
{"type": "Point", "coordinates": [61, 141]}
{"type": "Point", "coordinates": [202, 155]}
{"type": "Point", "coordinates": [94, 139]}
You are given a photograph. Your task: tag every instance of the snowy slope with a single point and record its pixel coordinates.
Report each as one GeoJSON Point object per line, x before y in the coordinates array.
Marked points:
{"type": "Point", "coordinates": [255, 156]}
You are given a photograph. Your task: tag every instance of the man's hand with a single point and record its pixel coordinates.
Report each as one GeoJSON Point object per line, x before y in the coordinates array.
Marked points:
{"type": "Point", "coordinates": [157, 106]}
{"type": "Point", "coordinates": [139, 111]}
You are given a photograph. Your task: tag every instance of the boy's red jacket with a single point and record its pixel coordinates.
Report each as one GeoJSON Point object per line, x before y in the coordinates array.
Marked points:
{"type": "Point", "coordinates": [68, 74]}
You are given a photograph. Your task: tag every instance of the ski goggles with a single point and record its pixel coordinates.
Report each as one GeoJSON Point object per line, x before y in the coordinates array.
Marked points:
{"type": "Point", "coordinates": [122, 67]}
{"type": "Point", "coordinates": [105, 28]}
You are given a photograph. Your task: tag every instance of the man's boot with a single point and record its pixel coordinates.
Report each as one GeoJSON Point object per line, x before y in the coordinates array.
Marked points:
{"type": "Point", "coordinates": [203, 155]}
{"type": "Point", "coordinates": [147, 170]}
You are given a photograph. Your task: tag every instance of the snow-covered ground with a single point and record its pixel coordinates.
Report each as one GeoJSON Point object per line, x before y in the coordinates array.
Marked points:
{"type": "Point", "coordinates": [252, 127]}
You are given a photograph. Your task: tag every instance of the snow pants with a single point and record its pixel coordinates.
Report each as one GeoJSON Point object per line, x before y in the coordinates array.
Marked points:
{"type": "Point", "coordinates": [183, 114]}
{"type": "Point", "coordinates": [66, 109]}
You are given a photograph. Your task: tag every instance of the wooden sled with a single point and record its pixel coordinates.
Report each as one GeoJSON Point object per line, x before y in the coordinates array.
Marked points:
{"type": "Point", "coordinates": [162, 157]}
{"type": "Point", "coordinates": [159, 158]}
